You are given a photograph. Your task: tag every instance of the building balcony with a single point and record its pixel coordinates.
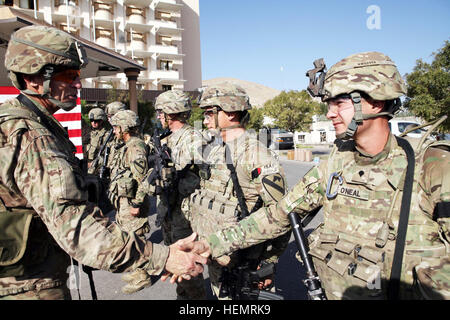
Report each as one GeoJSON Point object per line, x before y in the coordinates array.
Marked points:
{"type": "Point", "coordinates": [137, 3]}
{"type": "Point", "coordinates": [168, 5]}
{"type": "Point", "coordinates": [136, 46]}
{"type": "Point", "coordinates": [70, 9]}
{"type": "Point", "coordinates": [136, 19]}
{"type": "Point", "coordinates": [165, 24]}
{"type": "Point", "coordinates": [164, 50]}
{"type": "Point", "coordinates": [164, 74]}
{"type": "Point", "coordinates": [103, 10]}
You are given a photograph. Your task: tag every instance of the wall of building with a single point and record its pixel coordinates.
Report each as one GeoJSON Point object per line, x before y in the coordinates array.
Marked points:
{"type": "Point", "coordinates": [134, 29]}
{"type": "Point", "coordinates": [190, 22]}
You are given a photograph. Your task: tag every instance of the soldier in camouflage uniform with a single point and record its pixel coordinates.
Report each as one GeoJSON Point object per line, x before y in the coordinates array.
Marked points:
{"type": "Point", "coordinates": [98, 134]}
{"type": "Point", "coordinates": [113, 144]}
{"type": "Point", "coordinates": [361, 188]}
{"type": "Point", "coordinates": [125, 180]}
{"type": "Point", "coordinates": [173, 109]}
{"type": "Point", "coordinates": [44, 214]}
{"type": "Point", "coordinates": [242, 163]}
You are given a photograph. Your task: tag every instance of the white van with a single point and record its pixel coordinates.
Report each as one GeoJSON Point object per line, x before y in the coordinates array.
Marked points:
{"type": "Point", "coordinates": [398, 126]}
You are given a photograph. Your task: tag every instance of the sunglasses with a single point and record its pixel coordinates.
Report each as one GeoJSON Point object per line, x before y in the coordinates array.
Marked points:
{"type": "Point", "coordinates": [67, 76]}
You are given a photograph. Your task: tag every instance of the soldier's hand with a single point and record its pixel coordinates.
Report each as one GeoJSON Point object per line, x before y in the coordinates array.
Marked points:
{"type": "Point", "coordinates": [184, 262]}
{"type": "Point", "coordinates": [175, 278]}
{"type": "Point", "coordinates": [223, 260]}
{"type": "Point", "coordinates": [200, 247]}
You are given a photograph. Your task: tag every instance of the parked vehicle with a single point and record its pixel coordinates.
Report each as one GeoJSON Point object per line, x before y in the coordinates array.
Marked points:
{"type": "Point", "coordinates": [280, 139]}
{"type": "Point", "coordinates": [398, 126]}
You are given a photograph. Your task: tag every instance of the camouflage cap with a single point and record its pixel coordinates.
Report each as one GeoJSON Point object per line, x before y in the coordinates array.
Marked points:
{"type": "Point", "coordinates": [229, 97]}
{"type": "Point", "coordinates": [33, 47]}
{"type": "Point", "coordinates": [371, 72]}
{"type": "Point", "coordinates": [126, 119]}
{"type": "Point", "coordinates": [114, 107]}
{"type": "Point", "coordinates": [173, 101]}
{"type": "Point", "coordinates": [97, 114]}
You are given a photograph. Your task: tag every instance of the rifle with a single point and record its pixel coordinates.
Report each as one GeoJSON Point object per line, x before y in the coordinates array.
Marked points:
{"type": "Point", "coordinates": [240, 283]}
{"type": "Point", "coordinates": [312, 281]}
{"type": "Point", "coordinates": [102, 149]}
{"type": "Point", "coordinates": [160, 160]}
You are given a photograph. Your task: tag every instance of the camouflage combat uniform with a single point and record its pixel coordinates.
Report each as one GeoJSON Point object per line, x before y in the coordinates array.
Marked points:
{"type": "Point", "coordinates": [44, 212]}
{"type": "Point", "coordinates": [215, 205]}
{"type": "Point", "coordinates": [353, 248]}
{"type": "Point", "coordinates": [185, 147]}
{"type": "Point", "coordinates": [125, 180]}
{"type": "Point", "coordinates": [97, 137]}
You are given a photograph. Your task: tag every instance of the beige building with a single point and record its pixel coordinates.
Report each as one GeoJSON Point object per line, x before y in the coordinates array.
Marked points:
{"type": "Point", "coordinates": [161, 35]}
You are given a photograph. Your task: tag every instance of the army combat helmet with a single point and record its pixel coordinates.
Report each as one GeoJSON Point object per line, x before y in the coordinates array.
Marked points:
{"type": "Point", "coordinates": [229, 98]}
{"type": "Point", "coordinates": [97, 114]}
{"type": "Point", "coordinates": [173, 101]}
{"type": "Point", "coordinates": [35, 49]}
{"type": "Point", "coordinates": [126, 120]}
{"type": "Point", "coordinates": [371, 73]}
{"type": "Point", "coordinates": [114, 107]}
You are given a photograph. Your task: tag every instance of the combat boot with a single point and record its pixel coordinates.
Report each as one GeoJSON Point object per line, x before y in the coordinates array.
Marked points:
{"type": "Point", "coordinates": [140, 279]}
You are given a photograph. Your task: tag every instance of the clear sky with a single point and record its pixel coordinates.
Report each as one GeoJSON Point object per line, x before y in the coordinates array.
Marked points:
{"type": "Point", "coordinates": [274, 43]}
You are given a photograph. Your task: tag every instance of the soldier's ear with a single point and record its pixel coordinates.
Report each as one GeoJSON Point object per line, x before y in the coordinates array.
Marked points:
{"type": "Point", "coordinates": [33, 80]}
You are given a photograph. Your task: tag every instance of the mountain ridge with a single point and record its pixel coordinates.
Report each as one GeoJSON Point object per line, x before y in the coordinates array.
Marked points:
{"type": "Point", "coordinates": [257, 93]}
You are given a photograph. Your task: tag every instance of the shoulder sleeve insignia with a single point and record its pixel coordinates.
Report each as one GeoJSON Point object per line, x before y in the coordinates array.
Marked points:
{"type": "Point", "coordinates": [274, 185]}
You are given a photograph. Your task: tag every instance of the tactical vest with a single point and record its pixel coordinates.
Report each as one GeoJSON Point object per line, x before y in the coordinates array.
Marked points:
{"type": "Point", "coordinates": [95, 143]}
{"type": "Point", "coordinates": [123, 184]}
{"type": "Point", "coordinates": [187, 176]}
{"type": "Point", "coordinates": [353, 249]}
{"type": "Point", "coordinates": [215, 205]}
{"type": "Point", "coordinates": [24, 238]}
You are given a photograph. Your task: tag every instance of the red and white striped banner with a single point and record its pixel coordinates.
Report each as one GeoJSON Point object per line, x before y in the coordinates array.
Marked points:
{"type": "Point", "coordinates": [71, 120]}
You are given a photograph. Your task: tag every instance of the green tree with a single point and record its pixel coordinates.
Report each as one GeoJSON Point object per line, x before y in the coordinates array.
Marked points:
{"type": "Point", "coordinates": [428, 94]}
{"type": "Point", "coordinates": [292, 110]}
{"type": "Point", "coordinates": [196, 116]}
{"type": "Point", "coordinates": [256, 119]}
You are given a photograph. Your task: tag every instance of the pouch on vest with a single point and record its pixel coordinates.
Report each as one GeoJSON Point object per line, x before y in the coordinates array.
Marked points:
{"type": "Point", "coordinates": [14, 231]}
{"type": "Point", "coordinates": [126, 187]}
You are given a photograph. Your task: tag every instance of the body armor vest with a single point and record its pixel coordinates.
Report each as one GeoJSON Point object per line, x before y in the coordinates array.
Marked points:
{"type": "Point", "coordinates": [353, 250]}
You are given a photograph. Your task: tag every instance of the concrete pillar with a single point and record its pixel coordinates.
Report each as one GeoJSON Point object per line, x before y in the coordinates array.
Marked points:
{"type": "Point", "coordinates": [132, 75]}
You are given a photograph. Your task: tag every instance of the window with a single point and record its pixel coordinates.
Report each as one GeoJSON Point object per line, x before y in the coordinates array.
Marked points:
{"type": "Point", "coordinates": [166, 87]}
{"type": "Point", "coordinates": [7, 2]}
{"type": "Point", "coordinates": [402, 126]}
{"type": "Point", "coordinates": [165, 65]}
{"type": "Point", "coordinates": [323, 136]}
{"type": "Point", "coordinates": [301, 138]}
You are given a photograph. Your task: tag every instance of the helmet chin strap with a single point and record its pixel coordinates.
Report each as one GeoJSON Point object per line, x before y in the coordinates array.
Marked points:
{"type": "Point", "coordinates": [48, 73]}
{"type": "Point", "coordinates": [359, 117]}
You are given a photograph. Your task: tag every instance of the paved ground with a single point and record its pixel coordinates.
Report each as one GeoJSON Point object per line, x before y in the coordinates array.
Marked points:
{"type": "Point", "coordinates": [289, 271]}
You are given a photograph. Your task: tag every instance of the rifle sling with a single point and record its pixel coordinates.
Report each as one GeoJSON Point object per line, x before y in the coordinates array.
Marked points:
{"type": "Point", "coordinates": [394, 283]}
{"type": "Point", "coordinates": [236, 186]}
{"type": "Point", "coordinates": [42, 118]}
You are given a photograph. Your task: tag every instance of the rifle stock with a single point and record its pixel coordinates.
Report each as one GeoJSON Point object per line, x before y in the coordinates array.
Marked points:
{"type": "Point", "coordinates": [102, 148]}
{"type": "Point", "coordinates": [159, 160]}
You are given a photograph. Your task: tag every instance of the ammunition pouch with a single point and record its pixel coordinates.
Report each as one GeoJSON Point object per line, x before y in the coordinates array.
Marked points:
{"type": "Point", "coordinates": [204, 171]}
{"type": "Point", "coordinates": [24, 241]}
{"type": "Point", "coordinates": [358, 264]}
{"type": "Point", "coordinates": [126, 187]}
